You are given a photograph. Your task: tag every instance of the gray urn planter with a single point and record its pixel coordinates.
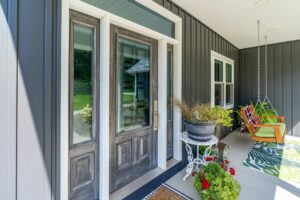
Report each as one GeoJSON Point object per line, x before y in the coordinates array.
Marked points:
{"type": "Point", "coordinates": [201, 132]}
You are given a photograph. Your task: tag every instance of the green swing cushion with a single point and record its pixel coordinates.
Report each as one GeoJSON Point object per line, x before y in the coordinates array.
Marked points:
{"type": "Point", "coordinates": [269, 132]}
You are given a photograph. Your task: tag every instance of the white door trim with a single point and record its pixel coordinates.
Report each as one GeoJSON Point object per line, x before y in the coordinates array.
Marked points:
{"type": "Point", "coordinates": [106, 19]}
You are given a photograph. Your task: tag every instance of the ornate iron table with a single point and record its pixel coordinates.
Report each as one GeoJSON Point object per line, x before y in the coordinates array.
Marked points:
{"type": "Point", "coordinates": [190, 156]}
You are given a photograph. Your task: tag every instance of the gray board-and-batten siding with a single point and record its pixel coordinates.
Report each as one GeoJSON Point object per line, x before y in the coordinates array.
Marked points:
{"type": "Point", "coordinates": [30, 66]}
{"type": "Point", "coordinates": [29, 101]}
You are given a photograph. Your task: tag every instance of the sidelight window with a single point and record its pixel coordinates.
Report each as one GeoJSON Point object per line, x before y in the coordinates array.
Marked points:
{"type": "Point", "coordinates": [81, 83]}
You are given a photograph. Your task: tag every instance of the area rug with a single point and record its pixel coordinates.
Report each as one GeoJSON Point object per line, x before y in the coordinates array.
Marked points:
{"type": "Point", "coordinates": [282, 161]}
{"type": "Point", "coordinates": [165, 192]}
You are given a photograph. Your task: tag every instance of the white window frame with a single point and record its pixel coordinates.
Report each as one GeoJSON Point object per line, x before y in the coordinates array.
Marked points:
{"type": "Point", "coordinates": [225, 60]}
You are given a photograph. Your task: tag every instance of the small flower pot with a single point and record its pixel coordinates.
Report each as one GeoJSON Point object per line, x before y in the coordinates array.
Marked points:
{"type": "Point", "coordinates": [201, 132]}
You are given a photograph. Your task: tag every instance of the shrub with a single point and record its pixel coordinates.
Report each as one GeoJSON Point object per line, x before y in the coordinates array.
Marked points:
{"type": "Point", "coordinates": [86, 114]}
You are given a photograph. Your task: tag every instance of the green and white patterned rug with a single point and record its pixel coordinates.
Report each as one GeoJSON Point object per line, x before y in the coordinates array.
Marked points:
{"type": "Point", "coordinates": [282, 161]}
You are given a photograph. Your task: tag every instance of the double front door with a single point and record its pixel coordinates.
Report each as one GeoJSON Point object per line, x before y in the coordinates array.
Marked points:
{"type": "Point", "coordinates": [133, 106]}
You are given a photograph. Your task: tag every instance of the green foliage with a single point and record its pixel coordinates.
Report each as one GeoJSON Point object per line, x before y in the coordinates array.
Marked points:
{"type": "Point", "coordinates": [263, 110]}
{"type": "Point", "coordinates": [86, 114]}
{"type": "Point", "coordinates": [197, 113]}
{"type": "Point", "coordinates": [222, 185]}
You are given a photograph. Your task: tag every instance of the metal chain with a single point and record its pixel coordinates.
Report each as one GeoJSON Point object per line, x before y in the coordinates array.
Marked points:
{"type": "Point", "coordinates": [266, 64]}
{"type": "Point", "coordinates": [258, 63]}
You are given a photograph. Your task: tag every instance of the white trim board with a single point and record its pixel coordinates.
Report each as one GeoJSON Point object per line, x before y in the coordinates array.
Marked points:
{"type": "Point", "coordinates": [106, 19]}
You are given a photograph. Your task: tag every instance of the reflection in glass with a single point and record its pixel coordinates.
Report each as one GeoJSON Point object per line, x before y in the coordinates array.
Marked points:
{"type": "Point", "coordinates": [229, 94]}
{"type": "Point", "coordinates": [228, 73]}
{"type": "Point", "coordinates": [169, 85]}
{"type": "Point", "coordinates": [133, 84]}
{"type": "Point", "coordinates": [82, 84]}
{"type": "Point", "coordinates": [218, 71]}
{"type": "Point", "coordinates": [219, 95]}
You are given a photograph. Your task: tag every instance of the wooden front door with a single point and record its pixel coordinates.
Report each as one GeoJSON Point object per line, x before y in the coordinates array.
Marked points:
{"type": "Point", "coordinates": [170, 102]}
{"type": "Point", "coordinates": [83, 110]}
{"type": "Point", "coordinates": [133, 107]}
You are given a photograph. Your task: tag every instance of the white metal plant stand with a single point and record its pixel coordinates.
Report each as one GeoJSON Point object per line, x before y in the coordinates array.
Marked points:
{"type": "Point", "coordinates": [197, 162]}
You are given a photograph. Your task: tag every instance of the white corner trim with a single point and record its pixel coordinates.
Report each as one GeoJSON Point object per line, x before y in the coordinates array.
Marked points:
{"type": "Point", "coordinates": [104, 107]}
{"type": "Point", "coordinates": [177, 93]}
{"type": "Point", "coordinates": [162, 104]}
{"type": "Point", "coordinates": [64, 104]}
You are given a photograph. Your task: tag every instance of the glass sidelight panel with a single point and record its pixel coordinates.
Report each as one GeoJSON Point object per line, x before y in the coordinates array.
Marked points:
{"type": "Point", "coordinates": [133, 84]}
{"type": "Point", "coordinates": [82, 83]}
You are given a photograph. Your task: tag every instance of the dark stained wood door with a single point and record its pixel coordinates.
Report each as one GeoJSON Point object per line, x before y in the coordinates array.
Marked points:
{"type": "Point", "coordinates": [83, 110]}
{"type": "Point", "coordinates": [133, 107]}
{"type": "Point", "coordinates": [170, 101]}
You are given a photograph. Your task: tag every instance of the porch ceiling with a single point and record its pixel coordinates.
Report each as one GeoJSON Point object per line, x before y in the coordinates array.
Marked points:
{"type": "Point", "coordinates": [236, 20]}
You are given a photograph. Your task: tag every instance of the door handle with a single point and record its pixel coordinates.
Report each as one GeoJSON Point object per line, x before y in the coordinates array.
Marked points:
{"type": "Point", "coordinates": [156, 115]}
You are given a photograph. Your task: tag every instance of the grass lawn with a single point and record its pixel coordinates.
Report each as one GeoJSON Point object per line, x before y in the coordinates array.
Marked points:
{"type": "Point", "coordinates": [128, 98]}
{"type": "Point", "coordinates": [80, 101]}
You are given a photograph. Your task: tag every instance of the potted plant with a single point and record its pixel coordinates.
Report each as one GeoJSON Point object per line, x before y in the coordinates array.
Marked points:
{"type": "Point", "coordinates": [214, 182]}
{"type": "Point", "coordinates": [201, 119]}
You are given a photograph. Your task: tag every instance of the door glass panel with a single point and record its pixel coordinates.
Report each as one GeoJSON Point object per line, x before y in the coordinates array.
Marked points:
{"type": "Point", "coordinates": [219, 95]}
{"type": "Point", "coordinates": [228, 73]}
{"type": "Point", "coordinates": [82, 99]}
{"type": "Point", "coordinates": [229, 94]}
{"type": "Point", "coordinates": [218, 71]}
{"type": "Point", "coordinates": [133, 84]}
{"type": "Point", "coordinates": [169, 86]}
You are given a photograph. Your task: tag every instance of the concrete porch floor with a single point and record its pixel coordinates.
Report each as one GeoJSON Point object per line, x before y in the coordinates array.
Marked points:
{"type": "Point", "coordinates": [254, 184]}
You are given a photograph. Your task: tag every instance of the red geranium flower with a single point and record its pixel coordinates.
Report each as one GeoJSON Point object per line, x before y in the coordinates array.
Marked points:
{"type": "Point", "coordinates": [209, 158]}
{"type": "Point", "coordinates": [232, 171]}
{"type": "Point", "coordinates": [222, 165]}
{"type": "Point", "coordinates": [205, 184]}
{"type": "Point", "coordinates": [226, 161]}
{"type": "Point", "coordinates": [193, 174]}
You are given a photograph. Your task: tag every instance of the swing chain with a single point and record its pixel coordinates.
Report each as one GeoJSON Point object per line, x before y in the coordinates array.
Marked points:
{"type": "Point", "coordinates": [258, 63]}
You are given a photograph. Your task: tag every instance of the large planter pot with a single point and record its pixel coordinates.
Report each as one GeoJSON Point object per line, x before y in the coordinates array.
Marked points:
{"type": "Point", "coordinates": [201, 132]}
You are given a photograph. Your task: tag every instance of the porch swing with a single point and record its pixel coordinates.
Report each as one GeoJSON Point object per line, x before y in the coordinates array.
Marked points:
{"type": "Point", "coordinates": [270, 131]}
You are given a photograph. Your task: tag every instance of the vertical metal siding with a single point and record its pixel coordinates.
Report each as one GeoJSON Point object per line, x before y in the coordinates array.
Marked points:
{"type": "Point", "coordinates": [198, 41]}
{"type": "Point", "coordinates": [8, 98]}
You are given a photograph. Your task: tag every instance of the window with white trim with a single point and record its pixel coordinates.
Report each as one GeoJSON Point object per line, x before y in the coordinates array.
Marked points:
{"type": "Point", "coordinates": [222, 81]}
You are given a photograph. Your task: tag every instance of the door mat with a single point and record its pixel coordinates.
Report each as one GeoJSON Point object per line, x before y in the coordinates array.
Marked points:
{"type": "Point", "coordinates": [165, 192]}
{"type": "Point", "coordinates": [282, 161]}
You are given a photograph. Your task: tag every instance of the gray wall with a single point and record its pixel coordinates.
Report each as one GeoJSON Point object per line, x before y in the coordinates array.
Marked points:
{"type": "Point", "coordinates": [27, 98]}
{"type": "Point", "coordinates": [198, 41]}
{"type": "Point", "coordinates": [283, 80]}
{"type": "Point", "coordinates": [8, 82]}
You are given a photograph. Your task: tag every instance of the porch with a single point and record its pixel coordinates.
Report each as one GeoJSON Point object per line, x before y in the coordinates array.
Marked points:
{"type": "Point", "coordinates": [254, 184]}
